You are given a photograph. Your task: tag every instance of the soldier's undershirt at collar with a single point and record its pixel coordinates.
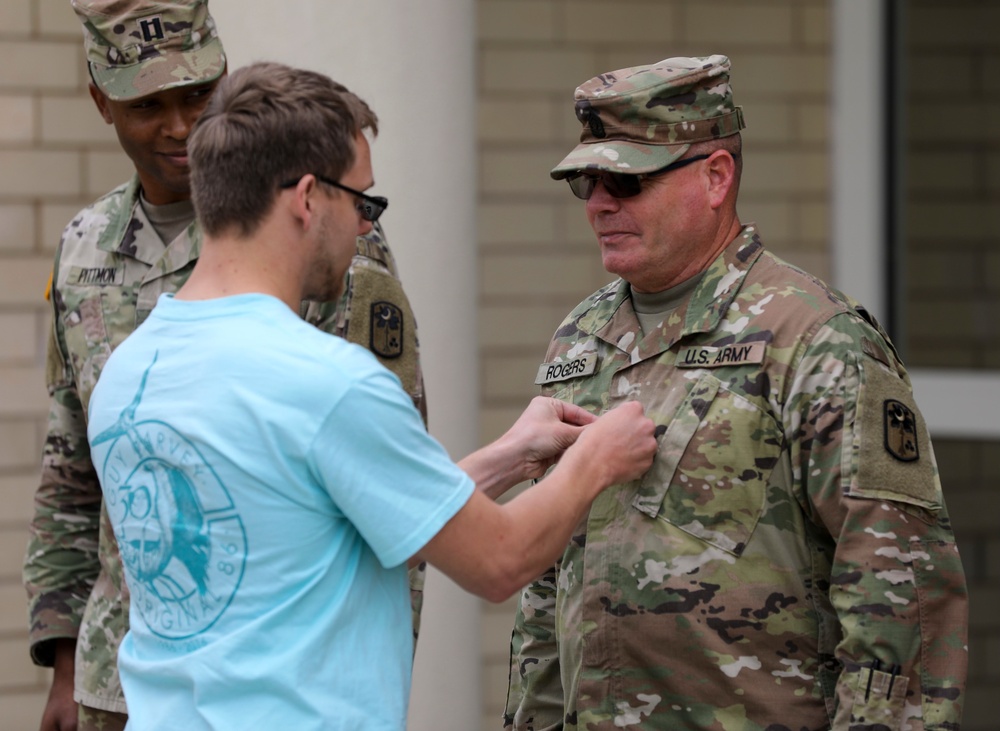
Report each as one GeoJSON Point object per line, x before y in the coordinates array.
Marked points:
{"type": "Point", "coordinates": [170, 220]}
{"type": "Point", "coordinates": [652, 308]}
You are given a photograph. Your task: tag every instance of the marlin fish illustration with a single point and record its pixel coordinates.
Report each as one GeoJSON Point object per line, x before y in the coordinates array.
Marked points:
{"type": "Point", "coordinates": [182, 542]}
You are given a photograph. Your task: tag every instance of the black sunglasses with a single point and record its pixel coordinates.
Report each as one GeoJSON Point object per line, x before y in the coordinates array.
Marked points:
{"type": "Point", "coordinates": [618, 185]}
{"type": "Point", "coordinates": [369, 206]}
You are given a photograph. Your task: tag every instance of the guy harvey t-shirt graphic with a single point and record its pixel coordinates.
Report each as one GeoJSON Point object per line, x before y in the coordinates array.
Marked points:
{"type": "Point", "coordinates": [182, 542]}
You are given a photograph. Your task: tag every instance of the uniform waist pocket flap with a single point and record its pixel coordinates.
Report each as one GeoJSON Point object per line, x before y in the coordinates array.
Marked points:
{"type": "Point", "coordinates": [672, 444]}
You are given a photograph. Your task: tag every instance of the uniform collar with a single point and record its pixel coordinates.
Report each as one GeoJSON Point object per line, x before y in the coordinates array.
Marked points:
{"type": "Point", "coordinates": [129, 218]}
{"type": "Point", "coordinates": [722, 280]}
{"type": "Point", "coordinates": [611, 317]}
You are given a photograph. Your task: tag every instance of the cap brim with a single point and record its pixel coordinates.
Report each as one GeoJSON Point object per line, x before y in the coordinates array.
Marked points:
{"type": "Point", "coordinates": [198, 66]}
{"type": "Point", "coordinates": [618, 156]}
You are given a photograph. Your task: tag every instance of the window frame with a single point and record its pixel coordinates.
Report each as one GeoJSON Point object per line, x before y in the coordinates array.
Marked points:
{"type": "Point", "coordinates": [867, 261]}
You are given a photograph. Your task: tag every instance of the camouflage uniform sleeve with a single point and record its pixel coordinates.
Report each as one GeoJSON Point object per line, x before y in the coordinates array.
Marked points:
{"type": "Point", "coordinates": [375, 312]}
{"type": "Point", "coordinates": [895, 606]}
{"type": "Point", "coordinates": [61, 563]}
{"type": "Point", "coordinates": [534, 692]}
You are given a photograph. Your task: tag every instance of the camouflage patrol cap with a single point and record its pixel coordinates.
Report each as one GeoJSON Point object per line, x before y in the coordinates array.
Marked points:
{"type": "Point", "coordinates": [139, 47]}
{"type": "Point", "coordinates": [641, 119]}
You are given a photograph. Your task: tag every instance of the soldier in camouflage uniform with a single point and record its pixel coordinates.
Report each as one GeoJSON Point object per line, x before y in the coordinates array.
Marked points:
{"type": "Point", "coordinates": [150, 62]}
{"type": "Point", "coordinates": [788, 563]}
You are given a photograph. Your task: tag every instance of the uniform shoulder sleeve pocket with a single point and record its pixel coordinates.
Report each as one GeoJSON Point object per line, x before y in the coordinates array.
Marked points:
{"type": "Point", "coordinates": [891, 451]}
{"type": "Point", "coordinates": [380, 319]}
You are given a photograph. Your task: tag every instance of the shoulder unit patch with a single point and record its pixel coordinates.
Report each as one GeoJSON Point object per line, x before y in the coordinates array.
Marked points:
{"type": "Point", "coordinates": [901, 431]}
{"type": "Point", "coordinates": [386, 330]}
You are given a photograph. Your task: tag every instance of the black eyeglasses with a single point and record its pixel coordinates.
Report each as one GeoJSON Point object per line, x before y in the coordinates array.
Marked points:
{"type": "Point", "coordinates": [618, 185]}
{"type": "Point", "coordinates": [369, 206]}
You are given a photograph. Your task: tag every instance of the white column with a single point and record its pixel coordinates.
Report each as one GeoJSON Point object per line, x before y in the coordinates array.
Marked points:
{"type": "Point", "coordinates": [413, 62]}
{"type": "Point", "coordinates": [858, 153]}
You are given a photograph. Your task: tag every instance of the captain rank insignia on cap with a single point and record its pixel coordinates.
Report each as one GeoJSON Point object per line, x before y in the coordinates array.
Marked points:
{"type": "Point", "coordinates": [901, 431]}
{"type": "Point", "coordinates": [386, 330]}
{"type": "Point", "coordinates": [152, 29]}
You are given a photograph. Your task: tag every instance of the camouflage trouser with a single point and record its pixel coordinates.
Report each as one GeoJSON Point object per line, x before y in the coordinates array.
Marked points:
{"type": "Point", "coordinates": [94, 719]}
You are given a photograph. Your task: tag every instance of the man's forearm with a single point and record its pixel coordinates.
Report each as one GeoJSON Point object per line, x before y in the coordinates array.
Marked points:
{"type": "Point", "coordinates": [495, 468]}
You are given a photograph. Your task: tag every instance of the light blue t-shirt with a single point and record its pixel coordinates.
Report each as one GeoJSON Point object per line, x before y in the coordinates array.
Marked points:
{"type": "Point", "coordinates": [266, 483]}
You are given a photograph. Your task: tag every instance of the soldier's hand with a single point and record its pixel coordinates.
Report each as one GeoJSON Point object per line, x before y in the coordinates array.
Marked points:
{"type": "Point", "coordinates": [61, 710]}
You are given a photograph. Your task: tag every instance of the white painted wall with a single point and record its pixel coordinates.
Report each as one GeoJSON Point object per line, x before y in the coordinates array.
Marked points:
{"type": "Point", "coordinates": [414, 64]}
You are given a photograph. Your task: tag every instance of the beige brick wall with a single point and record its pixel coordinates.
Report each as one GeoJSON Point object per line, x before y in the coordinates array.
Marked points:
{"type": "Point", "coordinates": [56, 155]}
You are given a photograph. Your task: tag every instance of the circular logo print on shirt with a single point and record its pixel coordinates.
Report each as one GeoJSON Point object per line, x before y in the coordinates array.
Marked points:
{"type": "Point", "coordinates": [182, 543]}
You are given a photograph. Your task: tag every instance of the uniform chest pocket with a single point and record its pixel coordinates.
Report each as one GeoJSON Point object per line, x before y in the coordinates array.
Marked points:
{"type": "Point", "coordinates": [712, 467]}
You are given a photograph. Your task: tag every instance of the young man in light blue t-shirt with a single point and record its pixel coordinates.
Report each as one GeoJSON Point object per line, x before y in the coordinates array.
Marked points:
{"type": "Point", "coordinates": [268, 483]}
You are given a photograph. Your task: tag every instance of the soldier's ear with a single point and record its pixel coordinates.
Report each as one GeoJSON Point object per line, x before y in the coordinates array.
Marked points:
{"type": "Point", "coordinates": [101, 101]}
{"type": "Point", "coordinates": [721, 171]}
